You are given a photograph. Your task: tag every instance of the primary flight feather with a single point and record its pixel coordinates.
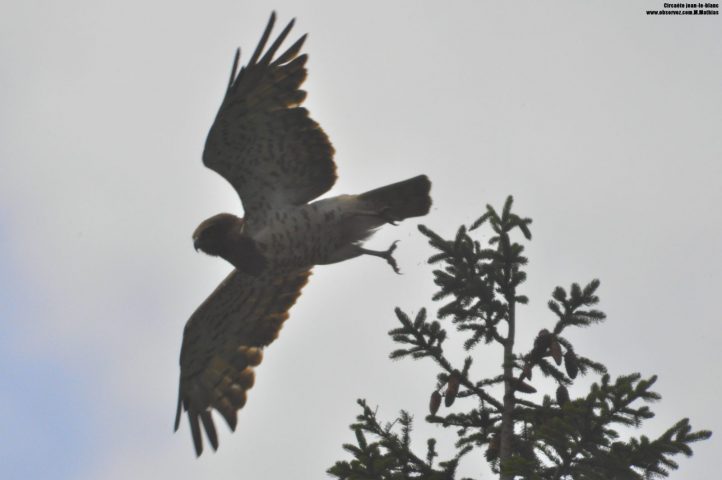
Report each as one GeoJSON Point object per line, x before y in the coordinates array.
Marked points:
{"type": "Point", "coordinates": [278, 160]}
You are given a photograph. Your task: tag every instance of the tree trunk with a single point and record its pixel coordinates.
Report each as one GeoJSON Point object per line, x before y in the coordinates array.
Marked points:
{"type": "Point", "coordinates": [507, 420]}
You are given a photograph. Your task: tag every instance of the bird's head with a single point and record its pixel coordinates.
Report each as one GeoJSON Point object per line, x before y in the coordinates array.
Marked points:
{"type": "Point", "coordinates": [214, 235]}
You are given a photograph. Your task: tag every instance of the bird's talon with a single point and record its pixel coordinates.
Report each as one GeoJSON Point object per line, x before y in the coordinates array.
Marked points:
{"type": "Point", "coordinates": [388, 255]}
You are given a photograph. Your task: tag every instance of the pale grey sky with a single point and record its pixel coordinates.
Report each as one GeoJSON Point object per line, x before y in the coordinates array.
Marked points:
{"type": "Point", "coordinates": [604, 123]}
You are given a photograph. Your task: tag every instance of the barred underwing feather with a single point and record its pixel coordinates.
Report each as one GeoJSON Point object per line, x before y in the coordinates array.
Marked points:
{"type": "Point", "coordinates": [223, 341]}
{"type": "Point", "coordinates": [261, 141]}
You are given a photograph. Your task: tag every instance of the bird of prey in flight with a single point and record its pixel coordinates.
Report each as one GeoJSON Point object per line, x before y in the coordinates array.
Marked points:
{"type": "Point", "coordinates": [278, 160]}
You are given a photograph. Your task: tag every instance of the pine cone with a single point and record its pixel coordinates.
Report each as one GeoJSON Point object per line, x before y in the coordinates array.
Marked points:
{"type": "Point", "coordinates": [556, 350]}
{"type": "Point", "coordinates": [562, 395]}
{"type": "Point", "coordinates": [452, 388]}
{"type": "Point", "coordinates": [493, 451]}
{"type": "Point", "coordinates": [541, 344]}
{"type": "Point", "coordinates": [435, 402]}
{"type": "Point", "coordinates": [522, 386]}
{"type": "Point", "coordinates": [571, 364]}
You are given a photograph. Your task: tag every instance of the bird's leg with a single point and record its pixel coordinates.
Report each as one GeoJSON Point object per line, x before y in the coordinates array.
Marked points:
{"type": "Point", "coordinates": [384, 214]}
{"type": "Point", "coordinates": [386, 255]}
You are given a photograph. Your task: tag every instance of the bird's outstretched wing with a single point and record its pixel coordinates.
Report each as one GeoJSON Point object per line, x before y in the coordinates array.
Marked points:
{"type": "Point", "coordinates": [262, 141]}
{"type": "Point", "coordinates": [223, 341]}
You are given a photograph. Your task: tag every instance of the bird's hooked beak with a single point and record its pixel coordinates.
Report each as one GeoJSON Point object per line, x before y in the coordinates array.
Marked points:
{"type": "Point", "coordinates": [196, 245]}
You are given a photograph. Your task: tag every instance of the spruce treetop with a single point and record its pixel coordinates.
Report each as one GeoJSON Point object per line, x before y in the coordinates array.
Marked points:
{"type": "Point", "coordinates": [518, 434]}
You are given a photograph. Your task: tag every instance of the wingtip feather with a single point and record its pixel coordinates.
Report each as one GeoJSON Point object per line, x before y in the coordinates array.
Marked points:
{"type": "Point", "coordinates": [264, 39]}
{"type": "Point", "coordinates": [196, 432]}
{"type": "Point", "coordinates": [268, 57]}
{"type": "Point", "coordinates": [210, 428]}
{"type": "Point", "coordinates": [234, 69]}
{"type": "Point", "coordinates": [177, 412]}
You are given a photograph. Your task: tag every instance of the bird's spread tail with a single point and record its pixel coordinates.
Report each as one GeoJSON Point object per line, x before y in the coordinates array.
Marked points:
{"type": "Point", "coordinates": [405, 199]}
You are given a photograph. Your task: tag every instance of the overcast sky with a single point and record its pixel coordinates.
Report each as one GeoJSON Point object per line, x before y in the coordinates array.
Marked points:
{"type": "Point", "coordinates": [604, 123]}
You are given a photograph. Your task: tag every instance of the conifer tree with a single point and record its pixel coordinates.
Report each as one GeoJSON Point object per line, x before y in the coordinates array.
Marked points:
{"type": "Point", "coordinates": [557, 438]}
